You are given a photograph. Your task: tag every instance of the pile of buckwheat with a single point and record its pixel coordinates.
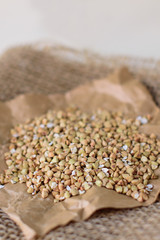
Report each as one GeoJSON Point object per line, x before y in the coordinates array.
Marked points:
{"type": "Point", "coordinates": [66, 152]}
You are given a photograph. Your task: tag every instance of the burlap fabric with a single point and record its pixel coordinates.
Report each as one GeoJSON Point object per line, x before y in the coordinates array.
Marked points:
{"type": "Point", "coordinates": [57, 69]}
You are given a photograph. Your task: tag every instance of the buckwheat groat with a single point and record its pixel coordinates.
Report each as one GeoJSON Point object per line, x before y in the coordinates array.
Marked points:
{"type": "Point", "coordinates": [64, 153]}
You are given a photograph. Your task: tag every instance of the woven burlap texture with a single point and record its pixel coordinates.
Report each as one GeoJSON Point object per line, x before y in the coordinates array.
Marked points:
{"type": "Point", "coordinates": [56, 69]}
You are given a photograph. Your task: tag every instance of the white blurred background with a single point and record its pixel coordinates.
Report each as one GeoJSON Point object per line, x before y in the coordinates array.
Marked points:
{"type": "Point", "coordinates": [123, 27]}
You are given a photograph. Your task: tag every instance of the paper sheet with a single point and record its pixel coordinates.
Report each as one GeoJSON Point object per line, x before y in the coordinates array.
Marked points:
{"type": "Point", "coordinates": [118, 92]}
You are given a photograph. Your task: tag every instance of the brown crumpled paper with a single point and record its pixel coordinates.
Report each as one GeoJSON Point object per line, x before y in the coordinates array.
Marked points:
{"type": "Point", "coordinates": [37, 216]}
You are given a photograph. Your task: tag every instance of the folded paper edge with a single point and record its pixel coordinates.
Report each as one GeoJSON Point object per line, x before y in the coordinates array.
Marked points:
{"type": "Point", "coordinates": [28, 232]}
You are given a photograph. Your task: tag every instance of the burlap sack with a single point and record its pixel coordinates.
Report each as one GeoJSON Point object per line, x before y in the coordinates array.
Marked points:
{"type": "Point", "coordinates": [74, 69]}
